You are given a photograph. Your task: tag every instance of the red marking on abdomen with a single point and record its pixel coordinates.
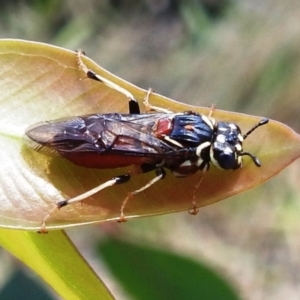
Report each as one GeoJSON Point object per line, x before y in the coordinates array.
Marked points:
{"type": "Point", "coordinates": [104, 161]}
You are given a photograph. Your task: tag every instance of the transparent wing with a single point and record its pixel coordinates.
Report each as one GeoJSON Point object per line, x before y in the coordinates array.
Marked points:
{"type": "Point", "coordinates": [101, 133]}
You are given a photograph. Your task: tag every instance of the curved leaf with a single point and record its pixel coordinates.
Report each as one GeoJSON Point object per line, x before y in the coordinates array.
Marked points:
{"type": "Point", "coordinates": [57, 261]}
{"type": "Point", "coordinates": [40, 82]}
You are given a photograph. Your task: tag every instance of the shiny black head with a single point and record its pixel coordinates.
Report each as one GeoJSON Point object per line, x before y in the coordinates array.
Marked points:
{"type": "Point", "coordinates": [227, 146]}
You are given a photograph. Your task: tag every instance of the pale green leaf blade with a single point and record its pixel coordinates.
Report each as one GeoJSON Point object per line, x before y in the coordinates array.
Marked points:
{"type": "Point", "coordinates": [57, 261]}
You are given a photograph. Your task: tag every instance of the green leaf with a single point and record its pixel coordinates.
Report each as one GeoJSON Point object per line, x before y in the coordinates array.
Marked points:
{"type": "Point", "coordinates": [148, 273]}
{"type": "Point", "coordinates": [56, 260]}
{"type": "Point", "coordinates": [40, 82]}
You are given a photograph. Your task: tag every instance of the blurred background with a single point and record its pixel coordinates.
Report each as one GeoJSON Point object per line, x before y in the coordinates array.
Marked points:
{"type": "Point", "coordinates": [240, 55]}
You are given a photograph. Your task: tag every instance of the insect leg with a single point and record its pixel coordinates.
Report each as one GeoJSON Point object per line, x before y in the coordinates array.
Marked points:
{"type": "Point", "coordinates": [160, 174]}
{"type": "Point", "coordinates": [150, 107]}
{"type": "Point", "coordinates": [211, 110]}
{"type": "Point", "coordinates": [194, 210]}
{"type": "Point", "coordinates": [116, 180]}
{"type": "Point", "coordinates": [133, 104]}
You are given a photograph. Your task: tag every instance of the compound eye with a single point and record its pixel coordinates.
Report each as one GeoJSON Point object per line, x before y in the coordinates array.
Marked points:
{"type": "Point", "coordinates": [232, 138]}
{"type": "Point", "coordinates": [226, 159]}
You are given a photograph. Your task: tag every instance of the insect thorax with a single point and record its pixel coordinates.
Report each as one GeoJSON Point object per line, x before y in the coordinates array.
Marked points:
{"type": "Point", "coordinates": [206, 142]}
{"type": "Point", "coordinates": [192, 134]}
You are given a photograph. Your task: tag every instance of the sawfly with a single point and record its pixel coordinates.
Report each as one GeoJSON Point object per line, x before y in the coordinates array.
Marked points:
{"type": "Point", "coordinates": [158, 139]}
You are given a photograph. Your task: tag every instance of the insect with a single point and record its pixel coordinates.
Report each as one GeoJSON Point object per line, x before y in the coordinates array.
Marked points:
{"type": "Point", "coordinates": [183, 142]}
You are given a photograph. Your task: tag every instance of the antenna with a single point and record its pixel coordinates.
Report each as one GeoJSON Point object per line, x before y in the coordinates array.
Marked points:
{"type": "Point", "coordinates": [254, 158]}
{"type": "Point", "coordinates": [262, 122]}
